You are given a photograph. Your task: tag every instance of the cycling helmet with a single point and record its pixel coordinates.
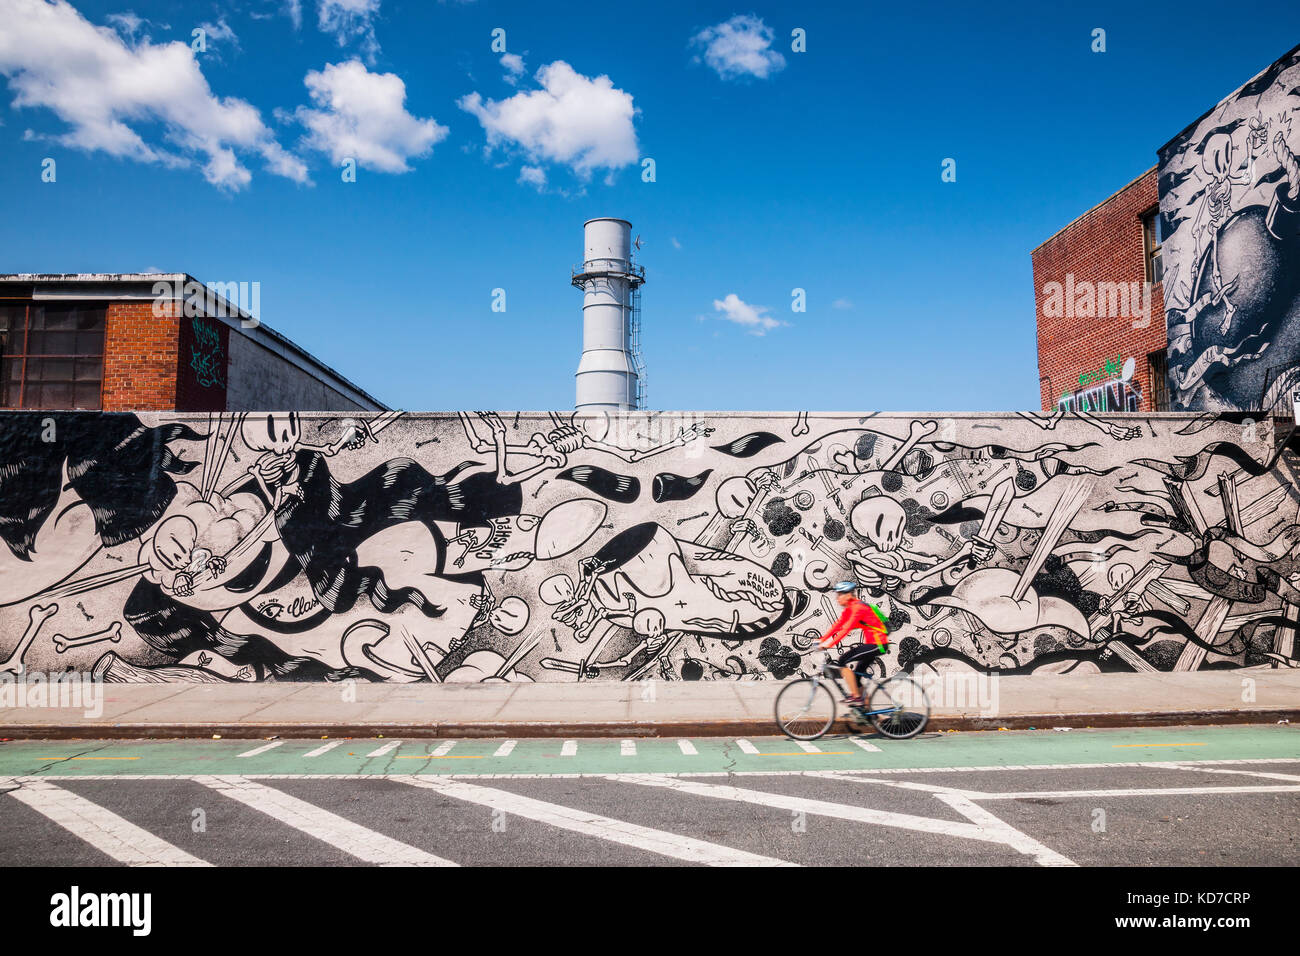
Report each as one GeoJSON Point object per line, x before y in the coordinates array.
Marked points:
{"type": "Point", "coordinates": [846, 587]}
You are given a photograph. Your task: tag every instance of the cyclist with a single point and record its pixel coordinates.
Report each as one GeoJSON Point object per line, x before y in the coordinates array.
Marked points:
{"type": "Point", "coordinates": [875, 641]}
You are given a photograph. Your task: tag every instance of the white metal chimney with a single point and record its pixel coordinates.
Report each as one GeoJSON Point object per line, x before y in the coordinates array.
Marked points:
{"type": "Point", "coordinates": [610, 375]}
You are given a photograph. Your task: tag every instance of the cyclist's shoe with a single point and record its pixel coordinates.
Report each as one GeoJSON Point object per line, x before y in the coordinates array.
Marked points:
{"type": "Point", "coordinates": [854, 701]}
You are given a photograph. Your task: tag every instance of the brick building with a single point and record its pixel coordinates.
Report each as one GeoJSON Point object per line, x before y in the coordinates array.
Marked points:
{"type": "Point", "coordinates": [1100, 305]}
{"type": "Point", "coordinates": [152, 342]}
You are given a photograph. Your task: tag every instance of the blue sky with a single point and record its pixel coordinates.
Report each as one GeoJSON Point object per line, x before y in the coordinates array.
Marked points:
{"type": "Point", "coordinates": [775, 170]}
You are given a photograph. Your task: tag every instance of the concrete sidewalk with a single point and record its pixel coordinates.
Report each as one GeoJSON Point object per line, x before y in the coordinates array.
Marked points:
{"type": "Point", "coordinates": [647, 709]}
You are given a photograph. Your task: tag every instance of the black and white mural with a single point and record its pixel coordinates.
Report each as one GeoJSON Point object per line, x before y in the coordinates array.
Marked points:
{"type": "Point", "coordinates": [491, 547]}
{"type": "Point", "coordinates": [1230, 204]}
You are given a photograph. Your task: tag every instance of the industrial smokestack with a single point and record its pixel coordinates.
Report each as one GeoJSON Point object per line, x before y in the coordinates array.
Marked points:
{"type": "Point", "coordinates": [610, 375]}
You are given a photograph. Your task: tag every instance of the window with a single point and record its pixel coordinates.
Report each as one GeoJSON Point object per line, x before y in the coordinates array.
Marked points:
{"type": "Point", "coordinates": [51, 355]}
{"type": "Point", "coordinates": [1152, 238]}
{"type": "Point", "coordinates": [1158, 364]}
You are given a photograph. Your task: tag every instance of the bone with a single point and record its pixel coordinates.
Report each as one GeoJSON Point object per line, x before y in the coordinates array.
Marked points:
{"type": "Point", "coordinates": [915, 433]}
{"type": "Point", "coordinates": [111, 633]}
{"type": "Point", "coordinates": [682, 521]}
{"type": "Point", "coordinates": [37, 616]}
{"type": "Point", "coordinates": [428, 441]}
{"type": "Point", "coordinates": [800, 424]}
{"type": "Point", "coordinates": [544, 483]}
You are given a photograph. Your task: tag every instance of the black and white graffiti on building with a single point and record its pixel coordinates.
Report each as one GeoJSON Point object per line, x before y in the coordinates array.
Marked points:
{"type": "Point", "coordinates": [1230, 204]}
{"type": "Point", "coordinates": [485, 547]}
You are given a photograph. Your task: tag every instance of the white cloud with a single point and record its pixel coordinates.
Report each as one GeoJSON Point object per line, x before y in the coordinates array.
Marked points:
{"type": "Point", "coordinates": [362, 115]}
{"type": "Point", "coordinates": [843, 305]}
{"type": "Point", "coordinates": [218, 32]}
{"type": "Point", "coordinates": [514, 64]}
{"type": "Point", "coordinates": [753, 317]}
{"type": "Point", "coordinates": [106, 90]}
{"type": "Point", "coordinates": [676, 244]}
{"type": "Point", "coordinates": [351, 20]}
{"type": "Point", "coordinates": [582, 122]}
{"type": "Point", "coordinates": [533, 176]}
{"type": "Point", "coordinates": [741, 46]}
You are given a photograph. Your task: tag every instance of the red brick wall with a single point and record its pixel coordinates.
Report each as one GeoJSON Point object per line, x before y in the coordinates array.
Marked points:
{"type": "Point", "coordinates": [140, 352]}
{"type": "Point", "coordinates": [1103, 245]}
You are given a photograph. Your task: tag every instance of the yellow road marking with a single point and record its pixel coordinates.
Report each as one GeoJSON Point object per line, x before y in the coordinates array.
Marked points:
{"type": "Point", "coordinates": [87, 758]}
{"type": "Point", "coordinates": [443, 757]}
{"type": "Point", "coordinates": [801, 753]}
{"type": "Point", "coordinates": [1159, 745]}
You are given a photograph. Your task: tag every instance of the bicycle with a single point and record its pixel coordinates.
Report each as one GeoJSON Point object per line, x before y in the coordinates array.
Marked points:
{"type": "Point", "coordinates": [897, 706]}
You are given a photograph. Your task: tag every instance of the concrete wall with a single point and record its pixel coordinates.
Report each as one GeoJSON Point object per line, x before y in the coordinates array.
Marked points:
{"type": "Point", "coordinates": [260, 379]}
{"type": "Point", "coordinates": [664, 545]}
{"type": "Point", "coordinates": [1230, 199]}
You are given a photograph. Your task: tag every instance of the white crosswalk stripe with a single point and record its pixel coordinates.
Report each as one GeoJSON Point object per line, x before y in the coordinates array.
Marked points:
{"type": "Point", "coordinates": [261, 750]}
{"type": "Point", "coordinates": [570, 749]}
{"type": "Point", "coordinates": [865, 745]}
{"type": "Point", "coordinates": [807, 747]}
{"type": "Point", "coordinates": [323, 749]}
{"type": "Point", "coordinates": [983, 830]}
{"type": "Point", "coordinates": [627, 748]}
{"type": "Point", "coordinates": [385, 749]}
{"type": "Point", "coordinates": [352, 838]}
{"type": "Point", "coordinates": [687, 748]}
{"type": "Point", "coordinates": [443, 748]}
{"type": "Point", "coordinates": [662, 842]}
{"type": "Point", "coordinates": [101, 828]}
{"type": "Point", "coordinates": [746, 747]}
{"type": "Point", "coordinates": [505, 749]}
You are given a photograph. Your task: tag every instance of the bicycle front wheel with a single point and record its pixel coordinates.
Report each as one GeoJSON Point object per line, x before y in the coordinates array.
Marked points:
{"type": "Point", "coordinates": [904, 706]}
{"type": "Point", "coordinates": [805, 709]}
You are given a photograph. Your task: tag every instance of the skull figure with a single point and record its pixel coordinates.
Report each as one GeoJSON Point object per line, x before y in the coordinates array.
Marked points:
{"type": "Point", "coordinates": [880, 520]}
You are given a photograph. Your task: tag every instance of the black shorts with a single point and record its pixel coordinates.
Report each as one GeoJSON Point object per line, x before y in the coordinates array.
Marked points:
{"type": "Point", "coordinates": [859, 654]}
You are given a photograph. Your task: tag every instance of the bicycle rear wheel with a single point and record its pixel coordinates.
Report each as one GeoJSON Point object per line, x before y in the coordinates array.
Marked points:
{"type": "Point", "coordinates": [805, 709]}
{"type": "Point", "coordinates": [906, 704]}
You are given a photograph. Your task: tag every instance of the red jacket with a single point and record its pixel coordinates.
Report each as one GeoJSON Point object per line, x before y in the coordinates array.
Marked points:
{"type": "Point", "coordinates": [858, 614]}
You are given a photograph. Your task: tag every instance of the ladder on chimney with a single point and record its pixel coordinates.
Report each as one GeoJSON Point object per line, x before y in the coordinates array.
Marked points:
{"type": "Point", "coordinates": [634, 342]}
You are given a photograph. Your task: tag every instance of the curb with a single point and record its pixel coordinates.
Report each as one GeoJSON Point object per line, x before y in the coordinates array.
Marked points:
{"type": "Point", "coordinates": [750, 726]}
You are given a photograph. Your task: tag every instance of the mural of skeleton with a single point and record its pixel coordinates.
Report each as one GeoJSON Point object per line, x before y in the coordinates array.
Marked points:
{"type": "Point", "coordinates": [448, 548]}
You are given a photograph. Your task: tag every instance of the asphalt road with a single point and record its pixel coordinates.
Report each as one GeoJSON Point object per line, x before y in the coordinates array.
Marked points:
{"type": "Point", "coordinates": [1171, 796]}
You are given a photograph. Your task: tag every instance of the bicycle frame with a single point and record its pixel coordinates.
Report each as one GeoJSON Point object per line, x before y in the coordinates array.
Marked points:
{"type": "Point", "coordinates": [830, 673]}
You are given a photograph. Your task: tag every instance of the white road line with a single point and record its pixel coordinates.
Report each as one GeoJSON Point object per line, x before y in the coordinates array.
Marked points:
{"type": "Point", "coordinates": [323, 748]}
{"type": "Point", "coordinates": [1133, 792]}
{"type": "Point", "coordinates": [746, 747]}
{"type": "Point", "coordinates": [865, 745]}
{"type": "Point", "coordinates": [443, 748]}
{"type": "Point", "coordinates": [352, 838]}
{"type": "Point", "coordinates": [570, 749]}
{"type": "Point", "coordinates": [807, 747]}
{"type": "Point", "coordinates": [823, 808]}
{"type": "Point", "coordinates": [505, 748]}
{"type": "Point", "coordinates": [627, 748]}
{"type": "Point", "coordinates": [688, 748]}
{"type": "Point", "coordinates": [897, 784]}
{"type": "Point", "coordinates": [385, 749]}
{"type": "Point", "coordinates": [581, 821]}
{"type": "Point", "coordinates": [261, 750]}
{"type": "Point", "coordinates": [1241, 773]}
{"type": "Point", "coordinates": [1021, 842]}
{"type": "Point", "coordinates": [102, 829]}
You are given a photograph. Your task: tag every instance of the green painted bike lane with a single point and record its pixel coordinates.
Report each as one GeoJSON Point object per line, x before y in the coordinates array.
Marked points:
{"type": "Point", "coordinates": [644, 755]}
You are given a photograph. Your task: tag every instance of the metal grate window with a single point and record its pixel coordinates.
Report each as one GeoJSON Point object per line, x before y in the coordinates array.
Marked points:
{"type": "Point", "coordinates": [51, 355]}
{"type": "Point", "coordinates": [1158, 363]}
